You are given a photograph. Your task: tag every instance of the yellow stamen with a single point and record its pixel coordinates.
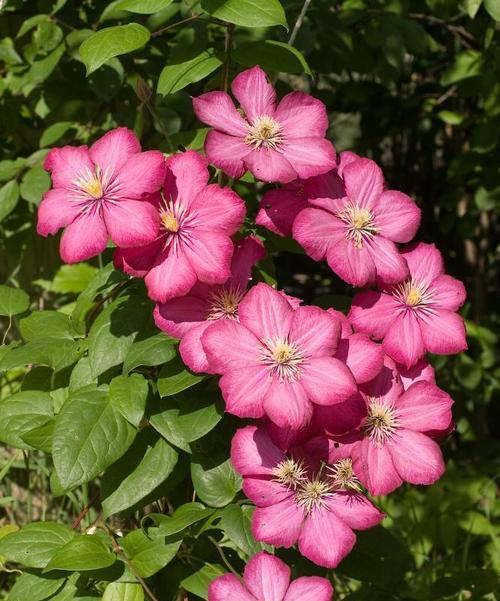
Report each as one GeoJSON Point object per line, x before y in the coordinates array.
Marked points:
{"type": "Point", "coordinates": [169, 221]}
{"type": "Point", "coordinates": [413, 297]}
{"type": "Point", "coordinates": [264, 132]}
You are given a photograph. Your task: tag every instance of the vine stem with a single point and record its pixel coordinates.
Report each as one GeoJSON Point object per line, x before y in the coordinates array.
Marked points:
{"type": "Point", "coordinates": [298, 23]}
{"type": "Point", "coordinates": [223, 557]}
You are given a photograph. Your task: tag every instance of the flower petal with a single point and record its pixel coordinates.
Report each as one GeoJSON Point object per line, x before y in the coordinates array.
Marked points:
{"type": "Point", "coordinates": [397, 217]}
{"type": "Point", "coordinates": [209, 253]}
{"type": "Point", "coordinates": [425, 262]}
{"type": "Point", "coordinates": [254, 93]}
{"type": "Point", "coordinates": [389, 263]}
{"type": "Point", "coordinates": [362, 356]}
{"type": "Point", "coordinates": [373, 313]}
{"type": "Point", "coordinates": [342, 417]}
{"type": "Point", "coordinates": [364, 182]}
{"type": "Point", "coordinates": [327, 381]}
{"type": "Point", "coordinates": [309, 156]}
{"type": "Point", "coordinates": [267, 577]}
{"type": "Point", "coordinates": [421, 371]}
{"type": "Point", "coordinates": [287, 405]}
{"type": "Point", "coordinates": [355, 510]}
{"type": "Point", "coordinates": [227, 153]}
{"type": "Point", "coordinates": [301, 115]}
{"type": "Point", "coordinates": [374, 467]}
{"type": "Point", "coordinates": [354, 265]}
{"type": "Point", "coordinates": [264, 491]}
{"type": "Point", "coordinates": [139, 260]}
{"type": "Point", "coordinates": [113, 150]}
{"type": "Point", "coordinates": [253, 453]}
{"type": "Point", "coordinates": [326, 191]}
{"type": "Point", "coordinates": [57, 209]}
{"type": "Point", "coordinates": [180, 315]}
{"type": "Point", "coordinates": [424, 407]}
{"type": "Point", "coordinates": [265, 312]}
{"type": "Point", "coordinates": [68, 165]}
{"type": "Point", "coordinates": [186, 176]}
{"type": "Point", "coordinates": [403, 340]}
{"type": "Point", "coordinates": [228, 588]}
{"type": "Point", "coordinates": [192, 351]}
{"type": "Point", "coordinates": [247, 252]}
{"type": "Point", "coordinates": [317, 231]}
{"type": "Point", "coordinates": [217, 110]}
{"type": "Point", "coordinates": [230, 345]}
{"type": "Point", "coordinates": [269, 165]}
{"type": "Point", "coordinates": [278, 524]}
{"type": "Point", "coordinates": [131, 222]}
{"type": "Point", "coordinates": [443, 332]}
{"type": "Point", "coordinates": [315, 331]}
{"type": "Point", "coordinates": [309, 588]}
{"type": "Point", "coordinates": [86, 237]}
{"type": "Point", "coordinates": [448, 293]}
{"type": "Point", "coordinates": [219, 208]}
{"type": "Point", "coordinates": [141, 176]}
{"type": "Point", "coordinates": [244, 390]}
{"type": "Point", "coordinates": [171, 275]}
{"type": "Point", "coordinates": [278, 210]}
{"type": "Point", "coordinates": [417, 458]}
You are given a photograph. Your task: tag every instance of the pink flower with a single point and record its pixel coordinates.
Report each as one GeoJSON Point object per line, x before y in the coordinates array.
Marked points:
{"type": "Point", "coordinates": [189, 316]}
{"type": "Point", "coordinates": [276, 143]}
{"type": "Point", "coordinates": [267, 578]}
{"type": "Point", "coordinates": [280, 207]}
{"type": "Point", "coordinates": [98, 193]}
{"type": "Point", "coordinates": [277, 361]}
{"type": "Point", "coordinates": [355, 223]}
{"type": "Point", "coordinates": [298, 502]}
{"type": "Point", "coordinates": [417, 315]}
{"type": "Point", "coordinates": [197, 220]}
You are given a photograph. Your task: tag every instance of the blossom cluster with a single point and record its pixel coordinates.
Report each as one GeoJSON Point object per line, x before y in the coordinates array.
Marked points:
{"type": "Point", "coordinates": [344, 406]}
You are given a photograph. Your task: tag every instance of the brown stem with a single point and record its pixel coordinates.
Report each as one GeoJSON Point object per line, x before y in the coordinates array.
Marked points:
{"type": "Point", "coordinates": [84, 512]}
{"type": "Point", "coordinates": [168, 27]}
{"type": "Point", "coordinates": [298, 23]}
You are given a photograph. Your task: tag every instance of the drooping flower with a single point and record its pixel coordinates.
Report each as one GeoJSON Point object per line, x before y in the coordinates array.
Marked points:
{"type": "Point", "coordinates": [356, 224]}
{"type": "Point", "coordinates": [417, 315]}
{"type": "Point", "coordinates": [189, 316]}
{"type": "Point", "coordinates": [298, 501]}
{"type": "Point", "coordinates": [277, 143]}
{"type": "Point", "coordinates": [277, 361]}
{"type": "Point", "coordinates": [98, 193]}
{"type": "Point", "coordinates": [196, 222]}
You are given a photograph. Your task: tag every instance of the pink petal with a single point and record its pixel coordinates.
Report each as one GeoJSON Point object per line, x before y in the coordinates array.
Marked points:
{"type": "Point", "coordinates": [230, 345]}
{"type": "Point", "coordinates": [244, 390]}
{"type": "Point", "coordinates": [424, 261]}
{"type": "Point", "coordinates": [301, 115]}
{"type": "Point", "coordinates": [346, 157]}
{"type": "Point", "coordinates": [443, 332]}
{"type": "Point", "coordinates": [218, 208]}
{"type": "Point", "coordinates": [209, 253]}
{"type": "Point", "coordinates": [84, 238]}
{"type": "Point", "coordinates": [389, 263]}
{"type": "Point", "coordinates": [228, 588]}
{"type": "Point", "coordinates": [278, 210]}
{"type": "Point", "coordinates": [186, 176]}
{"type": "Point", "coordinates": [421, 371]}
{"type": "Point", "coordinates": [287, 405]}
{"type": "Point", "coordinates": [141, 176]}
{"type": "Point", "coordinates": [263, 491]}
{"type": "Point", "coordinates": [315, 331]}
{"type": "Point", "coordinates": [137, 261]}
{"type": "Point", "coordinates": [131, 222]}
{"type": "Point", "coordinates": [113, 150]}
{"type": "Point", "coordinates": [171, 275]}
{"type": "Point", "coordinates": [217, 110]}
{"type": "Point", "coordinates": [227, 153]}
{"type": "Point", "coordinates": [57, 209]}
{"type": "Point", "coordinates": [345, 324]}
{"type": "Point", "coordinates": [354, 265]}
{"type": "Point", "coordinates": [317, 231]}
{"type": "Point", "coordinates": [326, 191]}
{"type": "Point", "coordinates": [374, 467]}
{"type": "Point", "coordinates": [448, 293]}
{"type": "Point", "coordinates": [325, 539]}
{"type": "Point", "coordinates": [247, 252]}
{"type": "Point", "coordinates": [341, 417]}
{"type": "Point", "coordinates": [355, 510]}
{"type": "Point", "coordinates": [309, 156]}
{"type": "Point", "coordinates": [397, 217]}
{"type": "Point", "coordinates": [309, 588]}
{"type": "Point", "coordinates": [68, 165]}
{"type": "Point", "coordinates": [362, 356]}
{"type": "Point", "coordinates": [373, 312]}
{"type": "Point", "coordinates": [278, 524]}
{"type": "Point", "coordinates": [403, 340]}
{"type": "Point", "coordinates": [364, 182]}
{"type": "Point", "coordinates": [180, 315]}
{"type": "Point", "coordinates": [270, 166]}
{"type": "Point", "coordinates": [386, 384]}
{"type": "Point", "coordinates": [327, 381]}
{"type": "Point", "coordinates": [192, 351]}
{"type": "Point", "coordinates": [265, 312]}
{"type": "Point", "coordinates": [267, 577]}
{"type": "Point", "coordinates": [253, 453]}
{"type": "Point", "coordinates": [424, 407]}
{"type": "Point", "coordinates": [254, 93]}
{"type": "Point", "coordinates": [417, 458]}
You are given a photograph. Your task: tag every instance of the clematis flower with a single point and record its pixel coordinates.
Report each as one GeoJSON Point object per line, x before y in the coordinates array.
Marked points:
{"type": "Point", "coordinates": [277, 143]}
{"type": "Point", "coordinates": [417, 315]}
{"type": "Point", "coordinates": [277, 361]}
{"type": "Point", "coordinates": [267, 578]}
{"type": "Point", "coordinates": [299, 503]}
{"type": "Point", "coordinates": [280, 207]}
{"type": "Point", "coordinates": [356, 224]}
{"type": "Point", "coordinates": [98, 193]}
{"type": "Point", "coordinates": [189, 316]}
{"type": "Point", "coordinates": [197, 220]}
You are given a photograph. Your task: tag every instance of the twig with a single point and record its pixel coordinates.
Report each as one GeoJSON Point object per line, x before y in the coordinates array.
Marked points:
{"type": "Point", "coordinates": [164, 29]}
{"type": "Point", "coordinates": [300, 20]}
{"type": "Point", "coordinates": [7, 330]}
{"type": "Point", "coordinates": [223, 557]}
{"type": "Point", "coordinates": [84, 512]}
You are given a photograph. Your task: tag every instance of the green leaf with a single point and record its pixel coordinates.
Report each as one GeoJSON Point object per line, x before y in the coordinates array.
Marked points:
{"type": "Point", "coordinates": [144, 7]}
{"type": "Point", "coordinates": [84, 552]}
{"type": "Point", "coordinates": [248, 13]}
{"type": "Point", "coordinates": [110, 42]}
{"type": "Point", "coordinates": [271, 56]}
{"type": "Point", "coordinates": [40, 437]}
{"type": "Point", "coordinates": [55, 132]}
{"type": "Point", "coordinates": [175, 377]}
{"type": "Point", "coordinates": [34, 545]}
{"type": "Point", "coordinates": [154, 350]}
{"type": "Point", "coordinates": [73, 278]}
{"type": "Point", "coordinates": [9, 197]}
{"type": "Point", "coordinates": [451, 117]}
{"type": "Point", "coordinates": [90, 434]}
{"type": "Point", "coordinates": [21, 413]}
{"type": "Point", "coordinates": [493, 8]}
{"type": "Point", "coordinates": [214, 479]}
{"type": "Point", "coordinates": [149, 552]}
{"type": "Point", "coordinates": [33, 587]}
{"type": "Point", "coordinates": [35, 182]}
{"type": "Point", "coordinates": [13, 301]}
{"type": "Point", "coordinates": [237, 522]}
{"type": "Point", "coordinates": [476, 523]}
{"type": "Point", "coordinates": [123, 591]}
{"type": "Point", "coordinates": [471, 6]}
{"type": "Point", "coordinates": [468, 63]}
{"type": "Point", "coordinates": [128, 394]}
{"type": "Point", "coordinates": [57, 353]}
{"type": "Point", "coordinates": [199, 582]}
{"type": "Point", "coordinates": [46, 324]}
{"type": "Point", "coordinates": [184, 516]}
{"type": "Point", "coordinates": [175, 77]}
{"type": "Point", "coordinates": [143, 468]}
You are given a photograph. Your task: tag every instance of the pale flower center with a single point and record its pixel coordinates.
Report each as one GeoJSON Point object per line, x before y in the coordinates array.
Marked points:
{"type": "Point", "coordinates": [290, 473]}
{"type": "Point", "coordinates": [360, 223]}
{"type": "Point", "coordinates": [264, 132]}
{"type": "Point", "coordinates": [224, 303]}
{"type": "Point", "coordinates": [414, 294]}
{"type": "Point", "coordinates": [283, 358]}
{"type": "Point", "coordinates": [91, 183]}
{"type": "Point", "coordinates": [342, 474]}
{"type": "Point", "coordinates": [169, 221]}
{"type": "Point", "coordinates": [381, 422]}
{"type": "Point", "coordinates": [313, 494]}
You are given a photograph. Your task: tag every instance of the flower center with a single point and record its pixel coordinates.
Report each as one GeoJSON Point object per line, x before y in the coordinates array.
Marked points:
{"type": "Point", "coordinates": [413, 297]}
{"type": "Point", "coordinates": [359, 221]}
{"type": "Point", "coordinates": [342, 474]}
{"type": "Point", "coordinates": [169, 221]}
{"type": "Point", "coordinates": [224, 303]}
{"type": "Point", "coordinates": [264, 132]}
{"type": "Point", "coordinates": [381, 422]}
{"type": "Point", "coordinates": [312, 494]}
{"type": "Point", "coordinates": [414, 294]}
{"type": "Point", "coordinates": [283, 358]}
{"type": "Point", "coordinates": [91, 183]}
{"type": "Point", "coordinates": [289, 473]}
